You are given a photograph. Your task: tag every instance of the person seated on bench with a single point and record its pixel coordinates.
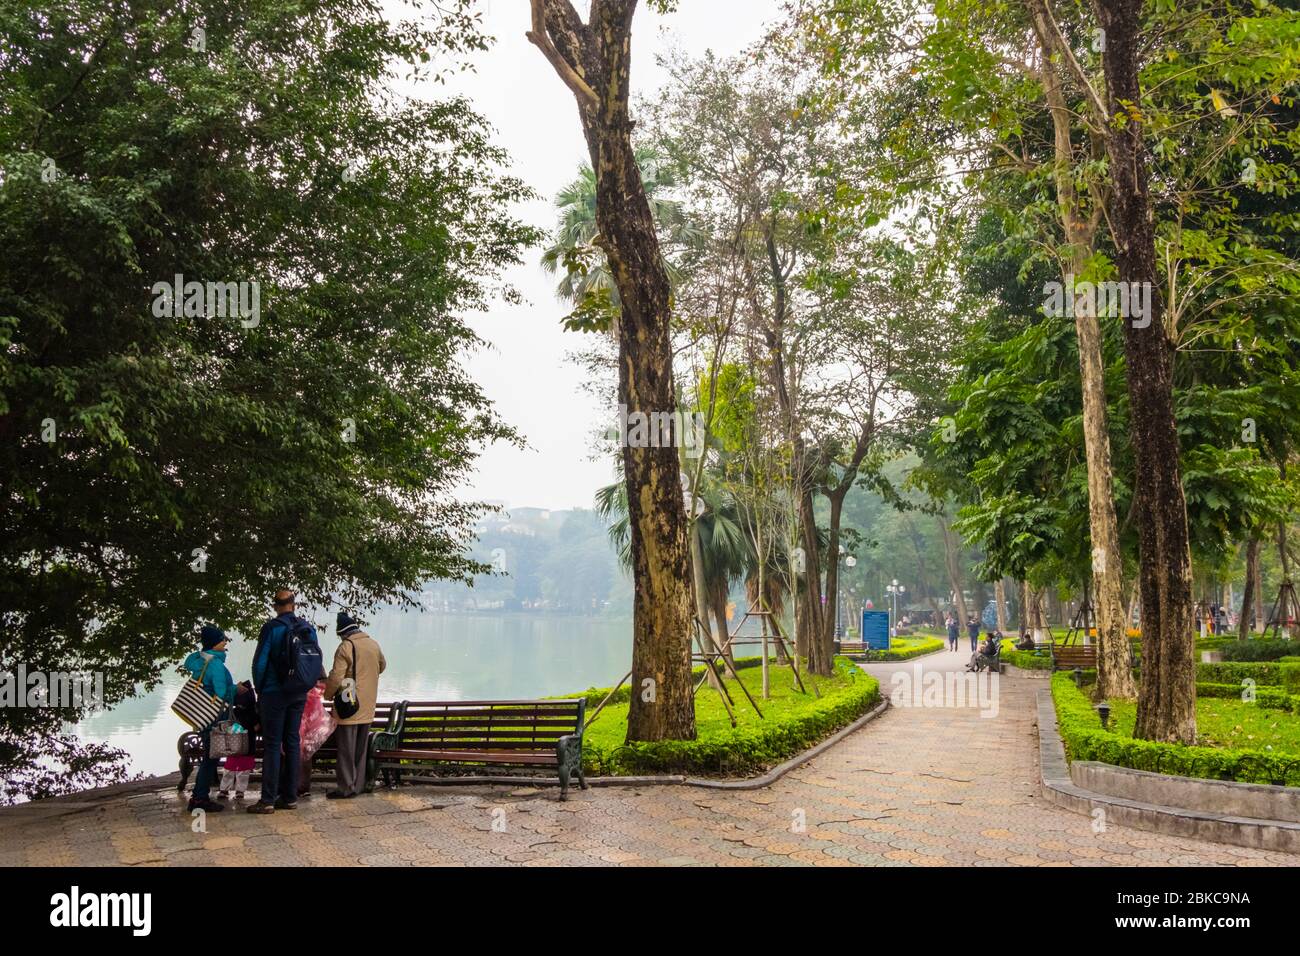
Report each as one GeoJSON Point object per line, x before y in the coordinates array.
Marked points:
{"type": "Point", "coordinates": [987, 654]}
{"type": "Point", "coordinates": [1026, 641]}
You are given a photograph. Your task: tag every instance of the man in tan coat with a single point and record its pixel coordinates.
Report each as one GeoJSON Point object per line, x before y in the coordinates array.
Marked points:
{"type": "Point", "coordinates": [357, 659]}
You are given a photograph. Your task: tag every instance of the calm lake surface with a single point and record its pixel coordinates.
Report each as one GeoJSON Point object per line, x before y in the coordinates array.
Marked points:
{"type": "Point", "coordinates": [431, 656]}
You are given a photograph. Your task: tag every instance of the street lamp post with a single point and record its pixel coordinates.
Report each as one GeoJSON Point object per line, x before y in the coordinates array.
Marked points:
{"type": "Point", "coordinates": [894, 589]}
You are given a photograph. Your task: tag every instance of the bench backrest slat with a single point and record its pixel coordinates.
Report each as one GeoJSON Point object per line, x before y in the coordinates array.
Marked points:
{"type": "Point", "coordinates": [482, 725]}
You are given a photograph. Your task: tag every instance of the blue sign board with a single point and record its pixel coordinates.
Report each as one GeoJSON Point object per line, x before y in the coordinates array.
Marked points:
{"type": "Point", "coordinates": [875, 630]}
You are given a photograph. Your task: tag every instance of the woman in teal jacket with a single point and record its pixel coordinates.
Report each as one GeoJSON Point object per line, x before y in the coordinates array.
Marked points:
{"type": "Point", "coordinates": [209, 666]}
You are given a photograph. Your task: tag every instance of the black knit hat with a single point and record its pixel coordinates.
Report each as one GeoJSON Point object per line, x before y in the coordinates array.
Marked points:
{"type": "Point", "coordinates": [211, 636]}
{"type": "Point", "coordinates": [344, 625]}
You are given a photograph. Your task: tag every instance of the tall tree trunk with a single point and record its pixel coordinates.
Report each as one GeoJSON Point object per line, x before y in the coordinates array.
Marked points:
{"type": "Point", "coordinates": [1115, 654]}
{"type": "Point", "coordinates": [597, 57]}
{"type": "Point", "coordinates": [718, 605]}
{"type": "Point", "coordinates": [1000, 596]}
{"type": "Point", "coordinates": [824, 651]}
{"type": "Point", "coordinates": [1260, 623]}
{"type": "Point", "coordinates": [1248, 587]}
{"type": "Point", "coordinates": [1285, 609]}
{"type": "Point", "coordinates": [951, 561]}
{"type": "Point", "coordinates": [810, 619]}
{"type": "Point", "coordinates": [1167, 703]}
{"type": "Point", "coordinates": [699, 590]}
{"type": "Point", "coordinates": [1037, 618]}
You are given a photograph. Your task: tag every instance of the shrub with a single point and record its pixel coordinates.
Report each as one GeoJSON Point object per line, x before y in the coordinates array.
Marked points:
{"type": "Point", "coordinates": [1274, 698]}
{"type": "Point", "coordinates": [1084, 739]}
{"type": "Point", "coordinates": [743, 750]}
{"type": "Point", "coordinates": [1270, 673]}
{"type": "Point", "coordinates": [1025, 660]}
{"type": "Point", "coordinates": [905, 648]}
{"type": "Point", "coordinates": [1260, 649]}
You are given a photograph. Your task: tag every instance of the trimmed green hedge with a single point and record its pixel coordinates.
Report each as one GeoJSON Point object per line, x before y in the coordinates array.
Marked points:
{"type": "Point", "coordinates": [1257, 649]}
{"type": "Point", "coordinates": [743, 750]}
{"type": "Point", "coordinates": [908, 648]}
{"type": "Point", "coordinates": [1274, 698]}
{"type": "Point", "coordinates": [1270, 673]}
{"type": "Point", "coordinates": [1025, 660]}
{"type": "Point", "coordinates": [1081, 732]}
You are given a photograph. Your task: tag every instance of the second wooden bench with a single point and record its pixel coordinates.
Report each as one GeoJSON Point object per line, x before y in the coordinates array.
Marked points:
{"type": "Point", "coordinates": [484, 734]}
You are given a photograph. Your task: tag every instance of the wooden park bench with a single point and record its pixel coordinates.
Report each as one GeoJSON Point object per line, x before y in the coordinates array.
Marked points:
{"type": "Point", "coordinates": [483, 734]}
{"type": "Point", "coordinates": [190, 746]}
{"type": "Point", "coordinates": [851, 648]}
{"type": "Point", "coordinates": [1066, 657]}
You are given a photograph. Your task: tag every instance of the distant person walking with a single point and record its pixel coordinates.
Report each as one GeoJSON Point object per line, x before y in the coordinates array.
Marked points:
{"type": "Point", "coordinates": [973, 629]}
{"type": "Point", "coordinates": [208, 667]}
{"type": "Point", "coordinates": [357, 658]}
{"type": "Point", "coordinates": [286, 665]}
{"type": "Point", "coordinates": [951, 623]}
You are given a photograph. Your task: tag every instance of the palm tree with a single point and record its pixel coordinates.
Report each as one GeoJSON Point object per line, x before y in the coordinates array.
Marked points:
{"type": "Point", "coordinates": [725, 552]}
{"type": "Point", "coordinates": [585, 279]}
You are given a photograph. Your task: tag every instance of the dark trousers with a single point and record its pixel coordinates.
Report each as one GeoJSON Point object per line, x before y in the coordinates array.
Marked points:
{"type": "Point", "coordinates": [207, 774]}
{"type": "Point", "coordinates": [281, 724]}
{"type": "Point", "coordinates": [974, 642]}
{"type": "Point", "coordinates": [350, 771]}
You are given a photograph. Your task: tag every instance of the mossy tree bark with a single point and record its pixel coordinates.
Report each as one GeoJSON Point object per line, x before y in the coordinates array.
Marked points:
{"type": "Point", "coordinates": [1249, 589]}
{"type": "Point", "coordinates": [1167, 698]}
{"type": "Point", "coordinates": [1167, 704]}
{"type": "Point", "coordinates": [593, 59]}
{"type": "Point", "coordinates": [1079, 225]}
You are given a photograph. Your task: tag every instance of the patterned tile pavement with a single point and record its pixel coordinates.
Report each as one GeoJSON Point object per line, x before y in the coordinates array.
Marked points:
{"type": "Point", "coordinates": [919, 786]}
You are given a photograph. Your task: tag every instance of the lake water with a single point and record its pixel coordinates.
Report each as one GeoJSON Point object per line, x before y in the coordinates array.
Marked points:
{"type": "Point", "coordinates": [430, 656]}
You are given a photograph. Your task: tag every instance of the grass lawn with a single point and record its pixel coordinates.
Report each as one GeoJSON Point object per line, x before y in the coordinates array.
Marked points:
{"type": "Point", "coordinates": [1228, 722]}
{"type": "Point", "coordinates": [791, 722]}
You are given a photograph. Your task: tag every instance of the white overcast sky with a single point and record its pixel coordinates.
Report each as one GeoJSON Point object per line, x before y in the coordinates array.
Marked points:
{"type": "Point", "coordinates": [524, 371]}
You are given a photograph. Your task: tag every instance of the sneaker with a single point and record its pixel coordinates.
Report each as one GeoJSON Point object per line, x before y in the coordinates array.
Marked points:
{"type": "Point", "coordinates": [207, 805]}
{"type": "Point", "coordinates": [261, 807]}
{"type": "Point", "coordinates": [239, 795]}
{"type": "Point", "coordinates": [339, 795]}
{"type": "Point", "coordinates": [283, 804]}
{"type": "Point", "coordinates": [223, 795]}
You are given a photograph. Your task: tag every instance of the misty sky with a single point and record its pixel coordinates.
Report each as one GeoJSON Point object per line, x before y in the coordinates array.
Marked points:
{"type": "Point", "coordinates": [525, 372]}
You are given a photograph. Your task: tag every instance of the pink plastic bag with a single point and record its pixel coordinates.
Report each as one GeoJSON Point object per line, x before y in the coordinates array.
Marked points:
{"type": "Point", "coordinates": [317, 724]}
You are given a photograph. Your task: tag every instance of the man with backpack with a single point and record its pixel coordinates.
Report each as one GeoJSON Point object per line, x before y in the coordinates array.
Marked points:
{"type": "Point", "coordinates": [286, 665]}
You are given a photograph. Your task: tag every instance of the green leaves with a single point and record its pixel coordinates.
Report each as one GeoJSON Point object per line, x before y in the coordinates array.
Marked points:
{"type": "Point", "coordinates": [318, 446]}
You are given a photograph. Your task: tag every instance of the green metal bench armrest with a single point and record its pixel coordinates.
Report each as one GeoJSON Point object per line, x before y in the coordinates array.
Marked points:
{"type": "Point", "coordinates": [390, 736]}
{"type": "Point", "coordinates": [568, 749]}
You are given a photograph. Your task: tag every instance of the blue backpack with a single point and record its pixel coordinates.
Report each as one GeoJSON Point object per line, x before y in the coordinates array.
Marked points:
{"type": "Point", "coordinates": [303, 662]}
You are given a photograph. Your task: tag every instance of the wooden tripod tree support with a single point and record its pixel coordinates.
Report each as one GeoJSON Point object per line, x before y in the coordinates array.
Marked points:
{"type": "Point", "coordinates": [1083, 620]}
{"type": "Point", "coordinates": [1286, 610]}
{"type": "Point", "coordinates": [776, 636]}
{"type": "Point", "coordinates": [710, 660]}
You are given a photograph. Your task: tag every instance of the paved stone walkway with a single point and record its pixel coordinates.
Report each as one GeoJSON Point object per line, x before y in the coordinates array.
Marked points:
{"type": "Point", "coordinates": [916, 787]}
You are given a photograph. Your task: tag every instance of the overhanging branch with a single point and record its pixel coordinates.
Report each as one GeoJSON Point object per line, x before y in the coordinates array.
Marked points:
{"type": "Point", "coordinates": [540, 38]}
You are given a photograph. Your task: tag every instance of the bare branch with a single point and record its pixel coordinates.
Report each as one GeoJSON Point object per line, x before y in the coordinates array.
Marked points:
{"type": "Point", "coordinates": [1050, 30]}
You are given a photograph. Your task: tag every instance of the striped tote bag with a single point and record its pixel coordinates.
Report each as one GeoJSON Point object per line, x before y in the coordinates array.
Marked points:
{"type": "Point", "coordinates": [196, 706]}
